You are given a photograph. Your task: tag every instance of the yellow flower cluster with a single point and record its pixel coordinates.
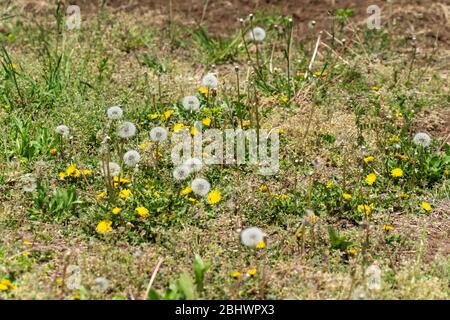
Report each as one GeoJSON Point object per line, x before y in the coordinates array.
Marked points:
{"type": "Point", "coordinates": [104, 227]}
{"type": "Point", "coordinates": [6, 285]}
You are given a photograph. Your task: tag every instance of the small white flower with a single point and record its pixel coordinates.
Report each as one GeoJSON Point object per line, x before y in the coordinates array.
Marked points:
{"type": "Point", "coordinates": [131, 158]}
{"type": "Point", "coordinates": [200, 186]}
{"type": "Point", "coordinates": [195, 164]}
{"type": "Point", "coordinates": [114, 169]}
{"type": "Point", "coordinates": [210, 81]}
{"type": "Point", "coordinates": [373, 274]}
{"type": "Point", "coordinates": [102, 284]}
{"type": "Point", "coordinates": [191, 103]}
{"type": "Point", "coordinates": [252, 236]}
{"type": "Point", "coordinates": [73, 281]}
{"type": "Point", "coordinates": [29, 183]}
{"type": "Point", "coordinates": [158, 134]}
{"type": "Point", "coordinates": [422, 139]}
{"type": "Point", "coordinates": [126, 130]}
{"type": "Point", "coordinates": [181, 172]}
{"type": "Point", "coordinates": [115, 113]}
{"type": "Point", "coordinates": [257, 34]}
{"type": "Point", "coordinates": [62, 130]}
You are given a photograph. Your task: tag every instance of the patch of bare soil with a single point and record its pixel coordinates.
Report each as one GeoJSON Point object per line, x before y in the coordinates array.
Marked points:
{"type": "Point", "coordinates": [436, 230]}
{"type": "Point", "coordinates": [428, 20]}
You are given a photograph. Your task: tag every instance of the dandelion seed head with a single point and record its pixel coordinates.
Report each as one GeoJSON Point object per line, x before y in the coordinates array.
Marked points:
{"type": "Point", "coordinates": [252, 236]}
{"type": "Point", "coordinates": [158, 134]}
{"type": "Point", "coordinates": [114, 169]}
{"type": "Point", "coordinates": [102, 284]}
{"type": "Point", "coordinates": [127, 130]}
{"type": "Point", "coordinates": [258, 34]}
{"type": "Point", "coordinates": [422, 139]}
{"type": "Point", "coordinates": [195, 164]}
{"type": "Point", "coordinates": [114, 112]}
{"type": "Point", "coordinates": [62, 130]}
{"type": "Point", "coordinates": [191, 103]}
{"type": "Point", "coordinates": [210, 81]}
{"type": "Point", "coordinates": [200, 186]}
{"type": "Point", "coordinates": [28, 183]}
{"type": "Point", "coordinates": [181, 172]}
{"type": "Point", "coordinates": [131, 158]}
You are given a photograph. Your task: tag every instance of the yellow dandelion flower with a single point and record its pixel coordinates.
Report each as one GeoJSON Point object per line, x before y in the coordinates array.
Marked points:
{"type": "Point", "coordinates": [375, 88]}
{"type": "Point", "coordinates": [142, 212]}
{"type": "Point", "coordinates": [368, 159]}
{"type": "Point", "coordinates": [104, 227]}
{"type": "Point", "coordinates": [27, 243]}
{"type": "Point", "coordinates": [6, 285]}
{"type": "Point", "coordinates": [281, 131]}
{"type": "Point", "coordinates": [87, 172]}
{"type": "Point", "coordinates": [235, 274]}
{"type": "Point", "coordinates": [283, 197]}
{"type": "Point", "coordinates": [329, 185]}
{"type": "Point", "coordinates": [153, 116]}
{"type": "Point", "coordinates": [53, 152]}
{"type": "Point", "coordinates": [426, 206]}
{"type": "Point", "coordinates": [116, 210]}
{"type": "Point", "coordinates": [394, 139]}
{"type": "Point", "coordinates": [261, 245]}
{"type": "Point", "coordinates": [62, 175]}
{"type": "Point", "coordinates": [397, 173]}
{"type": "Point", "coordinates": [371, 178]}
{"type": "Point", "coordinates": [367, 209]}
{"type": "Point", "coordinates": [72, 171]}
{"type": "Point", "coordinates": [246, 123]}
{"type": "Point", "coordinates": [178, 127]}
{"type": "Point", "coordinates": [404, 196]}
{"type": "Point", "coordinates": [193, 200]}
{"type": "Point", "coordinates": [124, 194]}
{"type": "Point", "coordinates": [251, 272]}
{"type": "Point", "coordinates": [352, 251]}
{"type": "Point", "coordinates": [193, 131]}
{"type": "Point", "coordinates": [144, 145]}
{"type": "Point", "coordinates": [118, 181]}
{"type": "Point", "coordinates": [388, 228]}
{"type": "Point", "coordinates": [167, 114]}
{"type": "Point", "coordinates": [401, 156]}
{"type": "Point", "coordinates": [298, 235]}
{"type": "Point", "coordinates": [101, 195]}
{"type": "Point", "coordinates": [206, 122]}
{"type": "Point", "coordinates": [284, 99]}
{"type": "Point", "coordinates": [214, 197]}
{"type": "Point", "coordinates": [263, 188]}
{"type": "Point", "coordinates": [186, 191]}
{"type": "Point", "coordinates": [203, 90]}
{"type": "Point", "coordinates": [347, 196]}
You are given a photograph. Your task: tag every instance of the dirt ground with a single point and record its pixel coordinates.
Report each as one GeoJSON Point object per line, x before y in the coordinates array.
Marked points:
{"type": "Point", "coordinates": [429, 20]}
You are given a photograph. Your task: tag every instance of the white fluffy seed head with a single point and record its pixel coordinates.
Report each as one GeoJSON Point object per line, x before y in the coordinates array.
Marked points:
{"type": "Point", "coordinates": [195, 164]}
{"type": "Point", "coordinates": [126, 130]}
{"type": "Point", "coordinates": [200, 186]}
{"type": "Point", "coordinates": [114, 113]}
{"type": "Point", "coordinates": [181, 172]}
{"type": "Point", "coordinates": [28, 183]}
{"type": "Point", "coordinates": [252, 236]}
{"type": "Point", "coordinates": [422, 139]}
{"type": "Point", "coordinates": [131, 158]}
{"type": "Point", "coordinates": [158, 134]}
{"type": "Point", "coordinates": [258, 34]}
{"type": "Point", "coordinates": [114, 169]}
{"type": "Point", "coordinates": [62, 130]}
{"type": "Point", "coordinates": [210, 81]}
{"type": "Point", "coordinates": [191, 103]}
